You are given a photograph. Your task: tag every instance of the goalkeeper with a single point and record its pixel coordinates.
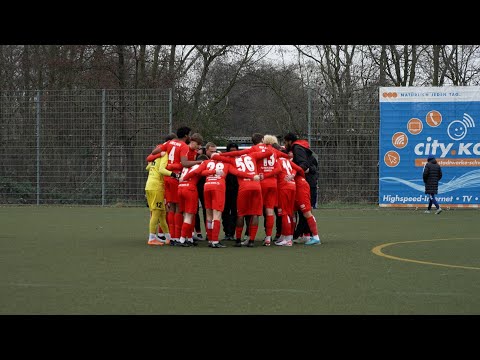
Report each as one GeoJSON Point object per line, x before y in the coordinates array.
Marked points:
{"type": "Point", "coordinates": [155, 195]}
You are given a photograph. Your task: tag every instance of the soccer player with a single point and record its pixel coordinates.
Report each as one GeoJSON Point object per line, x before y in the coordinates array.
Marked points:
{"type": "Point", "coordinates": [286, 199]}
{"type": "Point", "coordinates": [154, 193]}
{"type": "Point", "coordinates": [268, 171]}
{"type": "Point", "coordinates": [229, 214]}
{"type": "Point", "coordinates": [249, 201]}
{"type": "Point", "coordinates": [177, 150]}
{"type": "Point", "coordinates": [303, 204]}
{"type": "Point", "coordinates": [216, 171]}
{"type": "Point", "coordinates": [270, 168]}
{"type": "Point", "coordinates": [198, 223]}
{"type": "Point", "coordinates": [169, 137]}
{"type": "Point", "coordinates": [188, 203]}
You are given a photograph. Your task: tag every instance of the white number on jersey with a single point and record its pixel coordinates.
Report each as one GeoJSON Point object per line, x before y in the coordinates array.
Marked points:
{"type": "Point", "coordinates": [171, 155]}
{"type": "Point", "coordinates": [286, 165]}
{"type": "Point", "coordinates": [269, 161]}
{"type": "Point", "coordinates": [245, 163]}
{"type": "Point", "coordinates": [185, 171]}
{"type": "Point", "coordinates": [217, 166]}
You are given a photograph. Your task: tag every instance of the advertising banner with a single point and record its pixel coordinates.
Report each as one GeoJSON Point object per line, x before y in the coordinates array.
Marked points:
{"type": "Point", "coordinates": [419, 121]}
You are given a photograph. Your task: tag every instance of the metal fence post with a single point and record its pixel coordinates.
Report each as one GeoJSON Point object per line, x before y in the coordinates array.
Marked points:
{"type": "Point", "coordinates": [37, 101]}
{"type": "Point", "coordinates": [170, 113]}
{"type": "Point", "coordinates": [104, 150]}
{"type": "Point", "coordinates": [309, 116]}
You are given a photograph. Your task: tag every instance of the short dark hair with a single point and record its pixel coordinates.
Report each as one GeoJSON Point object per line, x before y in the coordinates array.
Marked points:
{"type": "Point", "coordinates": [230, 145]}
{"type": "Point", "coordinates": [202, 157]}
{"type": "Point", "coordinates": [290, 137]}
{"type": "Point", "coordinates": [183, 131]}
{"type": "Point", "coordinates": [257, 138]}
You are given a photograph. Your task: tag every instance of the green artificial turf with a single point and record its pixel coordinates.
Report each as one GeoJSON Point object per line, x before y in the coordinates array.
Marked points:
{"type": "Point", "coordinates": [93, 260]}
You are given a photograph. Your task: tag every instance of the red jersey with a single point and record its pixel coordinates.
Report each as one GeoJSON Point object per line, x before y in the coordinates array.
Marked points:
{"type": "Point", "coordinates": [191, 181]}
{"type": "Point", "coordinates": [265, 165]}
{"type": "Point", "coordinates": [175, 148]}
{"type": "Point", "coordinates": [246, 164]}
{"type": "Point", "coordinates": [286, 178]}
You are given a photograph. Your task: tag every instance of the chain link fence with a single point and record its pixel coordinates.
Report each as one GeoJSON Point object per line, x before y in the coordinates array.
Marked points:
{"type": "Point", "coordinates": [89, 146]}
{"type": "Point", "coordinates": [79, 146]}
{"type": "Point", "coordinates": [344, 135]}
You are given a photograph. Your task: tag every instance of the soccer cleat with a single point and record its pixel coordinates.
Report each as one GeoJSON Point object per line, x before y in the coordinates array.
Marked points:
{"type": "Point", "coordinates": [161, 237]}
{"type": "Point", "coordinates": [266, 243]}
{"type": "Point", "coordinates": [251, 243]}
{"type": "Point", "coordinates": [218, 245]}
{"type": "Point", "coordinates": [280, 239]}
{"type": "Point", "coordinates": [313, 241]}
{"type": "Point", "coordinates": [238, 243]}
{"type": "Point", "coordinates": [178, 243]}
{"type": "Point", "coordinates": [246, 239]}
{"type": "Point", "coordinates": [198, 237]}
{"type": "Point", "coordinates": [427, 211]}
{"type": "Point", "coordinates": [284, 242]}
{"type": "Point", "coordinates": [438, 211]}
{"type": "Point", "coordinates": [155, 242]}
{"type": "Point", "coordinates": [301, 240]}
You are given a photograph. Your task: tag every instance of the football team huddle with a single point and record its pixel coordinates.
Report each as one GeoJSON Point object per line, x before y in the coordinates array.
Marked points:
{"type": "Point", "coordinates": [236, 187]}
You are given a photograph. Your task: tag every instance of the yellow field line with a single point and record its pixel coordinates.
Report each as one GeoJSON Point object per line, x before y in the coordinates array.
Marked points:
{"type": "Point", "coordinates": [377, 250]}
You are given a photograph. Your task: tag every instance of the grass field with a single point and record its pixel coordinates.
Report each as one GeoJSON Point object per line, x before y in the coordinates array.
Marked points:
{"type": "Point", "coordinates": [92, 260]}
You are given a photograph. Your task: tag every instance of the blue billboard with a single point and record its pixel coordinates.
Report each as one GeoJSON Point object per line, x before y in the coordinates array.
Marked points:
{"type": "Point", "coordinates": [418, 121]}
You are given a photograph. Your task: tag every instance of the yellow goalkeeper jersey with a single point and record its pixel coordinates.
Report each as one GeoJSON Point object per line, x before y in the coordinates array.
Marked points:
{"type": "Point", "coordinates": [156, 170]}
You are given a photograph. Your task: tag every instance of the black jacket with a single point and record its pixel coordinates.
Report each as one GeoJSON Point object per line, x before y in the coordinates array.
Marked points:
{"type": "Point", "coordinates": [432, 174]}
{"type": "Point", "coordinates": [303, 157]}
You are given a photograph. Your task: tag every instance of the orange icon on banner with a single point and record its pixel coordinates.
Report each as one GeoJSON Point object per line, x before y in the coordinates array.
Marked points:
{"type": "Point", "coordinates": [391, 158]}
{"type": "Point", "coordinates": [414, 126]}
{"type": "Point", "coordinates": [399, 140]}
{"type": "Point", "coordinates": [433, 118]}
{"type": "Point", "coordinates": [389, 94]}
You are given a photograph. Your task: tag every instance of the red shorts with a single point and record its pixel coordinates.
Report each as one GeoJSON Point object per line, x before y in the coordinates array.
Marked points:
{"type": "Point", "coordinates": [249, 202]}
{"type": "Point", "coordinates": [302, 199]}
{"type": "Point", "coordinates": [171, 190]}
{"type": "Point", "coordinates": [214, 198]}
{"type": "Point", "coordinates": [269, 196]}
{"type": "Point", "coordinates": [188, 199]}
{"type": "Point", "coordinates": [286, 198]}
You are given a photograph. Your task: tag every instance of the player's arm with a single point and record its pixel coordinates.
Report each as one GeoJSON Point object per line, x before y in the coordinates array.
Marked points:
{"type": "Point", "coordinates": [233, 170]}
{"type": "Point", "coordinates": [280, 153]}
{"type": "Point", "coordinates": [184, 158]}
{"type": "Point", "coordinates": [154, 157]}
{"type": "Point", "coordinates": [189, 163]}
{"type": "Point", "coordinates": [198, 170]}
{"type": "Point", "coordinates": [162, 165]}
{"type": "Point", "coordinates": [261, 154]}
{"type": "Point", "coordinates": [236, 152]}
{"type": "Point", "coordinates": [207, 172]}
{"type": "Point", "coordinates": [159, 149]}
{"type": "Point", "coordinates": [174, 167]}
{"type": "Point", "coordinates": [298, 169]}
{"type": "Point", "coordinates": [225, 159]}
